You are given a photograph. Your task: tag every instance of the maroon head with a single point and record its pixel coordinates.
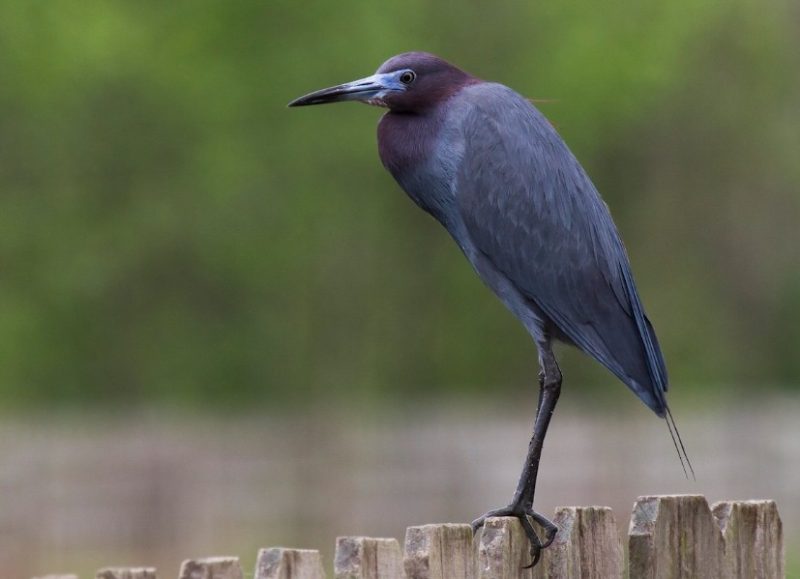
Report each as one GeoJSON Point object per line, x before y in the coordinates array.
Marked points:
{"type": "Point", "coordinates": [410, 82]}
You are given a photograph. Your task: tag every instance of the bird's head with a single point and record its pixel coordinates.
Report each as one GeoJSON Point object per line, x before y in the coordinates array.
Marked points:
{"type": "Point", "coordinates": [409, 82]}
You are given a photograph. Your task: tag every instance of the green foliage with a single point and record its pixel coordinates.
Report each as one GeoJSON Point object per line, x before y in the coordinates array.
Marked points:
{"type": "Point", "coordinates": [171, 233]}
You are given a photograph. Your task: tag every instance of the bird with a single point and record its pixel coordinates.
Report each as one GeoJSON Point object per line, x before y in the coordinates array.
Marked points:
{"type": "Point", "coordinates": [489, 167]}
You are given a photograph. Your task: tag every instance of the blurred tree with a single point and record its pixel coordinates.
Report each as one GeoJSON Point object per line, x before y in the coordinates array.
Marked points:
{"type": "Point", "coordinates": [170, 233]}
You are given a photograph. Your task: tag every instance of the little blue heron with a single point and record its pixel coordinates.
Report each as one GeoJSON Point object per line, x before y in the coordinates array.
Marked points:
{"type": "Point", "coordinates": [485, 163]}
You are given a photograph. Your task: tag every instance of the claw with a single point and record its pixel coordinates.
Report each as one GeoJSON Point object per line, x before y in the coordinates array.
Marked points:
{"type": "Point", "coordinates": [536, 544]}
{"type": "Point", "coordinates": [550, 528]}
{"type": "Point", "coordinates": [477, 524]}
{"type": "Point", "coordinates": [522, 514]}
{"type": "Point", "coordinates": [504, 512]}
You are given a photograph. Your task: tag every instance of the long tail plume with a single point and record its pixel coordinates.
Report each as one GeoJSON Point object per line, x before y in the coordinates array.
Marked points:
{"type": "Point", "coordinates": [677, 442]}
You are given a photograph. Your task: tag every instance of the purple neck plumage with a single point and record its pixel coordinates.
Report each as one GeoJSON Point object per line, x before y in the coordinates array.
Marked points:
{"type": "Point", "coordinates": [407, 133]}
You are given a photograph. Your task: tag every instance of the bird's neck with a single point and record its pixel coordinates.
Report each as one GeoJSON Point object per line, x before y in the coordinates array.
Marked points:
{"type": "Point", "coordinates": [406, 140]}
{"type": "Point", "coordinates": [410, 149]}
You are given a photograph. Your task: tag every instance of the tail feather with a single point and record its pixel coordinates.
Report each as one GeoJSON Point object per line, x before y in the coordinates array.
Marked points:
{"type": "Point", "coordinates": [677, 442]}
{"type": "Point", "coordinates": [657, 371]}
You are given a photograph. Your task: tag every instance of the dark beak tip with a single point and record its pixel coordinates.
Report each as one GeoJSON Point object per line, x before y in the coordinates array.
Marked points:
{"type": "Point", "coordinates": [304, 101]}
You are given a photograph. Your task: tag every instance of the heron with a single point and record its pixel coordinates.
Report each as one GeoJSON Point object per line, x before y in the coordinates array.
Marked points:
{"type": "Point", "coordinates": [488, 166]}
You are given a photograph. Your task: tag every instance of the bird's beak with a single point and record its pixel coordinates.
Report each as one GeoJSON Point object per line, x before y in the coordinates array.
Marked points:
{"type": "Point", "coordinates": [370, 89]}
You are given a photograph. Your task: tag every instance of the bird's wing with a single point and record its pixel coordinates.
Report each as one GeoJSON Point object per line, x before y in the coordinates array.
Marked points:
{"type": "Point", "coordinates": [531, 209]}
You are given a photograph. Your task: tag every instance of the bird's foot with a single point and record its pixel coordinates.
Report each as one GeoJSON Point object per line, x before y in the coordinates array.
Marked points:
{"type": "Point", "coordinates": [523, 514]}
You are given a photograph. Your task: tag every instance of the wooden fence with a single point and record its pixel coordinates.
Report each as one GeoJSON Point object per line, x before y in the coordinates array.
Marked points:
{"type": "Point", "coordinates": [675, 536]}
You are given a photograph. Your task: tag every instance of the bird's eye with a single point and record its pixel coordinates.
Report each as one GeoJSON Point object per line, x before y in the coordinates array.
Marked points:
{"type": "Point", "coordinates": [408, 77]}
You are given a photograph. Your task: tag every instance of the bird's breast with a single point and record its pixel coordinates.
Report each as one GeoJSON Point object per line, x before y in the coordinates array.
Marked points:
{"type": "Point", "coordinates": [406, 140]}
{"type": "Point", "coordinates": [416, 150]}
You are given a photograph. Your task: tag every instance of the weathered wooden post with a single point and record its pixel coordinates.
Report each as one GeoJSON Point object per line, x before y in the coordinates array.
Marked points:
{"type": "Point", "coordinates": [368, 558]}
{"type": "Point", "coordinates": [679, 537]}
{"type": "Point", "coordinates": [670, 537]}
{"type": "Point", "coordinates": [675, 537]}
{"type": "Point", "coordinates": [126, 573]}
{"type": "Point", "coordinates": [280, 563]}
{"type": "Point", "coordinates": [212, 568]}
{"type": "Point", "coordinates": [753, 536]}
{"type": "Point", "coordinates": [503, 550]}
{"type": "Point", "coordinates": [587, 546]}
{"type": "Point", "coordinates": [439, 552]}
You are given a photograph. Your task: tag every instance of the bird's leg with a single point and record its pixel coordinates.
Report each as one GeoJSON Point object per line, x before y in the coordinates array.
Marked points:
{"type": "Point", "coordinates": [541, 392]}
{"type": "Point", "coordinates": [521, 505]}
{"type": "Point", "coordinates": [550, 388]}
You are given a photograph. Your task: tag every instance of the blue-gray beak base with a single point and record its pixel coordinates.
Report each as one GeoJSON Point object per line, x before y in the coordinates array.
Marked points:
{"type": "Point", "coordinates": [366, 89]}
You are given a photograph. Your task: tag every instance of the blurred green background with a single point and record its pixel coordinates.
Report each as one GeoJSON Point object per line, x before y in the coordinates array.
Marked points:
{"type": "Point", "coordinates": [173, 235]}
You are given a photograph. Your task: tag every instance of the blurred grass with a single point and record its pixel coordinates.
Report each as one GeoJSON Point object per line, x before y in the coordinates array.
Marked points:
{"type": "Point", "coordinates": [170, 234]}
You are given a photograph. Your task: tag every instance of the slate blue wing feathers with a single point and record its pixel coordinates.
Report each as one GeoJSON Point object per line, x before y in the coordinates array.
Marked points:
{"type": "Point", "coordinates": [529, 207]}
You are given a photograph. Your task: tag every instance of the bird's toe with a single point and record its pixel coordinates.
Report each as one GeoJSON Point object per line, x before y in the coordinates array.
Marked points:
{"type": "Point", "coordinates": [522, 514]}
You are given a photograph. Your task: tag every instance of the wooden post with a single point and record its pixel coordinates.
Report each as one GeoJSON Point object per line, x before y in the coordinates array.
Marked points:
{"type": "Point", "coordinates": [212, 568]}
{"type": "Point", "coordinates": [280, 563]}
{"type": "Point", "coordinates": [753, 534]}
{"type": "Point", "coordinates": [675, 537]}
{"type": "Point", "coordinates": [587, 546]}
{"type": "Point", "coordinates": [368, 558]}
{"type": "Point", "coordinates": [670, 537]}
{"type": "Point", "coordinates": [126, 573]}
{"type": "Point", "coordinates": [503, 550]}
{"type": "Point", "coordinates": [439, 552]}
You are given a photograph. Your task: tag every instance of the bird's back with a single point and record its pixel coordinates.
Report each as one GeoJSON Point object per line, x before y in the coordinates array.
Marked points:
{"type": "Point", "coordinates": [529, 208]}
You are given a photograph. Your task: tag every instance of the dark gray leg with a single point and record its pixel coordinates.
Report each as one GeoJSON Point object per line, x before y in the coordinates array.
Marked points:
{"type": "Point", "coordinates": [522, 504]}
{"type": "Point", "coordinates": [548, 397]}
